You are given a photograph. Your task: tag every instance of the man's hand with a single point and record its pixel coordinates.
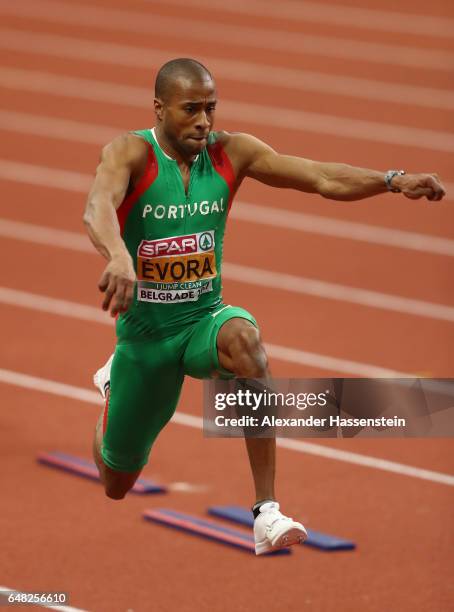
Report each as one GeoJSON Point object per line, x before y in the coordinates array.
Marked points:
{"type": "Point", "coordinates": [415, 186]}
{"type": "Point", "coordinates": [117, 282]}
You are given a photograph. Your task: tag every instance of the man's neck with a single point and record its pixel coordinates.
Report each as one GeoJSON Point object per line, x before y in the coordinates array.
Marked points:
{"type": "Point", "coordinates": [171, 151]}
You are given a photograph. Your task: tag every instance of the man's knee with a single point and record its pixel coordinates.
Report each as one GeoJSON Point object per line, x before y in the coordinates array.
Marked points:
{"type": "Point", "coordinates": [117, 484]}
{"type": "Point", "coordinates": [248, 354]}
{"type": "Point", "coordinates": [113, 491]}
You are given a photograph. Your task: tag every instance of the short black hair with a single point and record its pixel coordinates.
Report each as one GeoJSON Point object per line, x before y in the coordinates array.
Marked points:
{"type": "Point", "coordinates": [170, 71]}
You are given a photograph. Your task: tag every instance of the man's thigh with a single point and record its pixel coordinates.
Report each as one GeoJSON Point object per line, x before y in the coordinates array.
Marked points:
{"type": "Point", "coordinates": [205, 353]}
{"type": "Point", "coordinates": [145, 385]}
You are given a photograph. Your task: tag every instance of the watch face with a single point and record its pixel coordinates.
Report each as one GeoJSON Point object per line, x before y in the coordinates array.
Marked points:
{"type": "Point", "coordinates": [389, 177]}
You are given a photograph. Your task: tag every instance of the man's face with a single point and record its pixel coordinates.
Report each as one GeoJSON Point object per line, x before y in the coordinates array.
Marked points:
{"type": "Point", "coordinates": [187, 115]}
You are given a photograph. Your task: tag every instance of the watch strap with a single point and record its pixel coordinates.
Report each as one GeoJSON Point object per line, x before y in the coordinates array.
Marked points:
{"type": "Point", "coordinates": [389, 177]}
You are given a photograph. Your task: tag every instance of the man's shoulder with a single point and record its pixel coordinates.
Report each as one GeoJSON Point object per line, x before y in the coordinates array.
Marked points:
{"type": "Point", "coordinates": [236, 144]}
{"type": "Point", "coordinates": [128, 149]}
{"type": "Point", "coordinates": [241, 148]}
{"type": "Point", "coordinates": [232, 139]}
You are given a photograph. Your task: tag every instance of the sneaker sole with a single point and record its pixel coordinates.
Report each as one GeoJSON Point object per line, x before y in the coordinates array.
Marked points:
{"type": "Point", "coordinates": [98, 384]}
{"type": "Point", "coordinates": [295, 535]}
{"type": "Point", "coordinates": [101, 376]}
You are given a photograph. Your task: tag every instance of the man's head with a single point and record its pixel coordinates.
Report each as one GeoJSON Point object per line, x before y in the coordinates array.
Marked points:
{"type": "Point", "coordinates": [185, 100]}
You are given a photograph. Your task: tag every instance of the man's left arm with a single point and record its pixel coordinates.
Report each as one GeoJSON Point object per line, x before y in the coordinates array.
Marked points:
{"type": "Point", "coordinates": [334, 181]}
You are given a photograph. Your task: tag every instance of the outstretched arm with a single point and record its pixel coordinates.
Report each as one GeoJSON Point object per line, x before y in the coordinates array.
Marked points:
{"type": "Point", "coordinates": [118, 161]}
{"type": "Point", "coordinates": [331, 180]}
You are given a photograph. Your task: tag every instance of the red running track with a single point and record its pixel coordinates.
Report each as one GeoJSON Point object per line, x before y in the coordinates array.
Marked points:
{"type": "Point", "coordinates": [59, 532]}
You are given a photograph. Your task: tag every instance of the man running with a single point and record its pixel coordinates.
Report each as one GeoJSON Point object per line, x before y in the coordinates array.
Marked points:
{"type": "Point", "coordinates": [157, 212]}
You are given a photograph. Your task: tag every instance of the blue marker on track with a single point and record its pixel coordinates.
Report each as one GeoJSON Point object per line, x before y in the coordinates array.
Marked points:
{"type": "Point", "coordinates": [206, 529]}
{"type": "Point", "coordinates": [87, 469]}
{"type": "Point", "coordinates": [322, 541]}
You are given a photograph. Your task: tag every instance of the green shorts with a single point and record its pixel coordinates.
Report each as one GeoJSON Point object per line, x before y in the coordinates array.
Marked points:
{"type": "Point", "coordinates": [146, 381]}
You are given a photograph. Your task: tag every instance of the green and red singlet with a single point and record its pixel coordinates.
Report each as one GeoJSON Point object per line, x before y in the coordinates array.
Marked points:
{"type": "Point", "coordinates": [175, 239]}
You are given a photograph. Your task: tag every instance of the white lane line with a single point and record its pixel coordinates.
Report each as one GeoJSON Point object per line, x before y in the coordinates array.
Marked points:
{"type": "Point", "coordinates": [338, 15]}
{"type": "Point", "coordinates": [331, 364]}
{"type": "Point", "coordinates": [92, 397]}
{"type": "Point", "coordinates": [32, 174]}
{"type": "Point", "coordinates": [251, 276]}
{"type": "Point", "coordinates": [334, 291]}
{"type": "Point", "coordinates": [270, 116]}
{"type": "Point", "coordinates": [74, 310]}
{"type": "Point", "coordinates": [59, 608]}
{"type": "Point", "coordinates": [60, 129]}
{"type": "Point", "coordinates": [349, 230]}
{"type": "Point", "coordinates": [366, 461]}
{"type": "Point", "coordinates": [343, 127]}
{"type": "Point", "coordinates": [302, 45]}
{"type": "Point", "coordinates": [271, 76]}
{"type": "Point", "coordinates": [28, 232]}
{"type": "Point", "coordinates": [243, 211]}
{"type": "Point", "coordinates": [64, 308]}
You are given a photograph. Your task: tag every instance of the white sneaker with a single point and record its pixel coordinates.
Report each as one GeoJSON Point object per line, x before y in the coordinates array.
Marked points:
{"type": "Point", "coordinates": [273, 530]}
{"type": "Point", "coordinates": [102, 377]}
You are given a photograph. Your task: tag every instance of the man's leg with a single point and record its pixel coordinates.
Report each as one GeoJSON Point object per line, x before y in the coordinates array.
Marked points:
{"type": "Point", "coordinates": [227, 343]}
{"type": "Point", "coordinates": [241, 351]}
{"type": "Point", "coordinates": [142, 386]}
{"type": "Point", "coordinates": [116, 484]}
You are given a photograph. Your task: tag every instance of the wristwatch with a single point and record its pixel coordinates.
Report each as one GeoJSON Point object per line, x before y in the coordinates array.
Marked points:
{"type": "Point", "coordinates": [389, 177]}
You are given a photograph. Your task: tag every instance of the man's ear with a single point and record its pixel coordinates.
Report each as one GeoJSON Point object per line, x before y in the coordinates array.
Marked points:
{"type": "Point", "coordinates": [158, 108]}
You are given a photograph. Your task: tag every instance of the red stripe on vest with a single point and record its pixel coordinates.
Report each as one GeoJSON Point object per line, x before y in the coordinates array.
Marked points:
{"type": "Point", "coordinates": [148, 177]}
{"type": "Point", "coordinates": [105, 415]}
{"type": "Point", "coordinates": [223, 166]}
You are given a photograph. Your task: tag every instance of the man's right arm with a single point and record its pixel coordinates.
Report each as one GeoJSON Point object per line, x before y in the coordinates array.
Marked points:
{"type": "Point", "coordinates": [120, 161]}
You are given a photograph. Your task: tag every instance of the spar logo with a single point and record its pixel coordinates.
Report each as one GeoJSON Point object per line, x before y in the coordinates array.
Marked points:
{"type": "Point", "coordinates": [206, 241]}
{"type": "Point", "coordinates": [179, 259]}
{"type": "Point", "coordinates": [177, 245]}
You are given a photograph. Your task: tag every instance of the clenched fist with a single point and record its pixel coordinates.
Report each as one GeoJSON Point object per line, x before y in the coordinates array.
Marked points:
{"type": "Point", "coordinates": [415, 186]}
{"type": "Point", "coordinates": [117, 282]}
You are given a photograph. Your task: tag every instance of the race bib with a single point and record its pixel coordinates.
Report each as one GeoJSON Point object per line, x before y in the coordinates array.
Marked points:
{"type": "Point", "coordinates": [176, 269]}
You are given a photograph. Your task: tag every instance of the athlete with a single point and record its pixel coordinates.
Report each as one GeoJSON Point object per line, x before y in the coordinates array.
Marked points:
{"type": "Point", "coordinates": [157, 212]}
